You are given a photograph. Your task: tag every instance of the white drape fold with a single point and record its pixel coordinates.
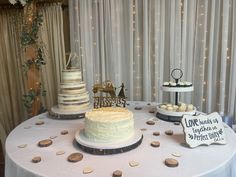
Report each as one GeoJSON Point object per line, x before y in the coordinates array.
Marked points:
{"type": "Point", "coordinates": [140, 42]}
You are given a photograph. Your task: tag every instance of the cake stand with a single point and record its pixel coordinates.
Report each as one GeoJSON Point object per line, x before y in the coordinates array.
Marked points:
{"type": "Point", "coordinates": [108, 148]}
{"type": "Point", "coordinates": [58, 113]}
{"type": "Point", "coordinates": [174, 116]}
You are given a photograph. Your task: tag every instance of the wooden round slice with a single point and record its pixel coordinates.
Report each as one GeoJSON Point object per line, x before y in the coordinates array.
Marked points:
{"type": "Point", "coordinates": [138, 108]}
{"type": "Point", "coordinates": [143, 129]}
{"type": "Point", "coordinates": [40, 122]}
{"type": "Point", "coordinates": [36, 159]}
{"type": "Point", "coordinates": [155, 144]}
{"type": "Point", "coordinates": [156, 133]}
{"type": "Point", "coordinates": [75, 157]}
{"type": "Point", "coordinates": [117, 173]}
{"type": "Point", "coordinates": [45, 143]}
{"type": "Point", "coordinates": [169, 132]}
{"type": "Point", "coordinates": [169, 162]}
{"type": "Point", "coordinates": [151, 111]}
{"type": "Point", "coordinates": [64, 132]}
{"type": "Point", "coordinates": [150, 122]}
{"type": "Point", "coordinates": [176, 123]}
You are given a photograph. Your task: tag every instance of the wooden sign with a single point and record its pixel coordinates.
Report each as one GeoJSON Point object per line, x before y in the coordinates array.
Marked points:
{"type": "Point", "coordinates": [203, 129]}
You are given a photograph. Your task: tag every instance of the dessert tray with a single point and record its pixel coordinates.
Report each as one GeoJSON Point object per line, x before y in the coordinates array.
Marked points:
{"type": "Point", "coordinates": [108, 148]}
{"type": "Point", "coordinates": [175, 112]}
{"type": "Point", "coordinates": [57, 113]}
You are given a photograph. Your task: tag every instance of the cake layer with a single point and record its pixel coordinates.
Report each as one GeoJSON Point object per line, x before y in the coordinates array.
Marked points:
{"type": "Point", "coordinates": [109, 125]}
{"type": "Point", "coordinates": [73, 88]}
{"type": "Point", "coordinates": [73, 98]}
{"type": "Point", "coordinates": [74, 107]}
{"type": "Point", "coordinates": [71, 75]}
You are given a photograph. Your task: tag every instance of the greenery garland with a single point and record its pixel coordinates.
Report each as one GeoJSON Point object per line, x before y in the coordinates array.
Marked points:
{"type": "Point", "coordinates": [29, 37]}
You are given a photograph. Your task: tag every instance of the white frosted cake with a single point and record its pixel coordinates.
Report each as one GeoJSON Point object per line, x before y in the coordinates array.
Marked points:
{"type": "Point", "coordinates": [73, 95]}
{"type": "Point", "coordinates": [109, 124]}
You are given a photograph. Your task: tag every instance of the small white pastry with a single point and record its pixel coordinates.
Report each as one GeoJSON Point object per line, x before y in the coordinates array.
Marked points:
{"type": "Point", "coordinates": [172, 83]}
{"type": "Point", "coordinates": [187, 83]}
{"type": "Point", "coordinates": [182, 104]}
{"type": "Point", "coordinates": [169, 108]}
{"type": "Point", "coordinates": [166, 83]}
{"type": "Point", "coordinates": [168, 105]}
{"type": "Point", "coordinates": [181, 83]}
{"type": "Point", "coordinates": [181, 109]}
{"type": "Point", "coordinates": [190, 107]}
{"type": "Point", "coordinates": [175, 107]}
{"type": "Point", "coordinates": [163, 106]}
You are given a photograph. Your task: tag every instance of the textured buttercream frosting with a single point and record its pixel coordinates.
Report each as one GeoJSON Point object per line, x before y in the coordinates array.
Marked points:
{"type": "Point", "coordinates": [73, 95]}
{"type": "Point", "coordinates": [109, 125]}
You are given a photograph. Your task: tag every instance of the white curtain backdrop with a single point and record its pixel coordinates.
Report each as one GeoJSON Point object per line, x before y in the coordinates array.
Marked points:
{"type": "Point", "coordinates": [139, 42]}
{"type": "Point", "coordinates": [12, 77]}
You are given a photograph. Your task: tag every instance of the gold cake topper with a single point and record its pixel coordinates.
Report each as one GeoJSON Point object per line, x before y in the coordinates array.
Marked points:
{"type": "Point", "coordinates": [111, 100]}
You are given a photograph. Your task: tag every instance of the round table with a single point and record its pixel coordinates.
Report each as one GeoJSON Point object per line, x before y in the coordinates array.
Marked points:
{"type": "Point", "coordinates": [213, 160]}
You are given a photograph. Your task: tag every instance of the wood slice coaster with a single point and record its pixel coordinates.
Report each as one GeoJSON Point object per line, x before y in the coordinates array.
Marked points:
{"type": "Point", "coordinates": [87, 170]}
{"type": "Point", "coordinates": [117, 173]}
{"type": "Point", "coordinates": [169, 162]}
{"type": "Point", "coordinates": [75, 157]}
{"type": "Point", "coordinates": [143, 129]}
{"type": "Point", "coordinates": [36, 159]}
{"type": "Point", "coordinates": [40, 122]}
{"type": "Point", "coordinates": [138, 108]}
{"type": "Point", "coordinates": [152, 111]}
{"type": "Point", "coordinates": [150, 122]}
{"type": "Point", "coordinates": [155, 144]}
{"type": "Point", "coordinates": [156, 133]}
{"type": "Point", "coordinates": [133, 163]}
{"type": "Point", "coordinates": [64, 132]}
{"type": "Point", "coordinates": [45, 143]}
{"type": "Point", "coordinates": [169, 132]}
{"type": "Point", "coordinates": [176, 123]}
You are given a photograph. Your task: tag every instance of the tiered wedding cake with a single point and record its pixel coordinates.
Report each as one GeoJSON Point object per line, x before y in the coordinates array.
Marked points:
{"type": "Point", "coordinates": [73, 98]}
{"type": "Point", "coordinates": [73, 95]}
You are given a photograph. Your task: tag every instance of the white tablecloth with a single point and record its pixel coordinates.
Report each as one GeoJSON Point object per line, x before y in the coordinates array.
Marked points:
{"type": "Point", "coordinates": [210, 161]}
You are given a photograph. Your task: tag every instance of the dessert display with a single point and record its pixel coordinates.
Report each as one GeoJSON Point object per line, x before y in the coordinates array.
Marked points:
{"type": "Point", "coordinates": [108, 130]}
{"type": "Point", "coordinates": [179, 84]}
{"type": "Point", "coordinates": [73, 95]}
{"type": "Point", "coordinates": [73, 98]}
{"type": "Point", "coordinates": [109, 124]}
{"type": "Point", "coordinates": [181, 107]}
{"type": "Point", "coordinates": [174, 112]}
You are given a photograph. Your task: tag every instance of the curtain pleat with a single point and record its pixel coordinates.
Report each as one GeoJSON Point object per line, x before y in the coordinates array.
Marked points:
{"type": "Point", "coordinates": [12, 77]}
{"type": "Point", "coordinates": [139, 42]}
